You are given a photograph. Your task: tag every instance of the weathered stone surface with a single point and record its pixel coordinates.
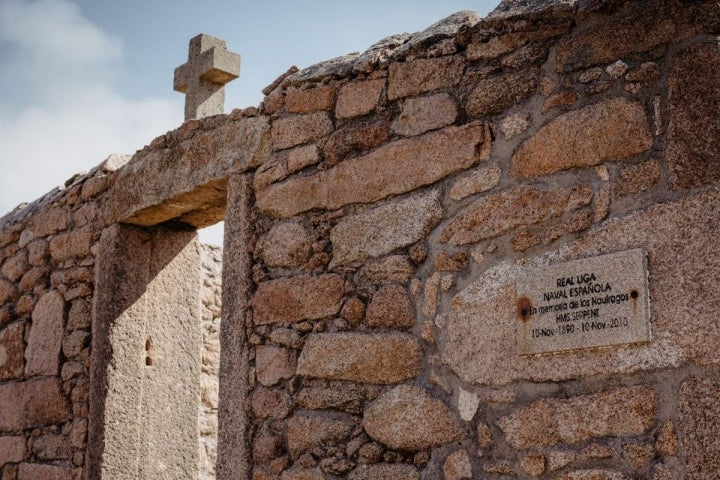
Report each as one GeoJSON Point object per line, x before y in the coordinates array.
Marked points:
{"type": "Point", "coordinates": [347, 397]}
{"type": "Point", "coordinates": [296, 130]}
{"type": "Point", "coordinates": [553, 421]}
{"type": "Point", "coordinates": [420, 115]}
{"type": "Point", "coordinates": [70, 244]}
{"type": "Point", "coordinates": [353, 311]}
{"type": "Point", "coordinates": [299, 473]}
{"type": "Point", "coordinates": [390, 308]}
{"type": "Point", "coordinates": [594, 474]}
{"type": "Point", "coordinates": [274, 364]}
{"type": "Point", "coordinates": [11, 352]}
{"type": "Point", "coordinates": [694, 106]}
{"type": "Point", "coordinates": [301, 157]}
{"type": "Point", "coordinates": [480, 180]}
{"type": "Point", "coordinates": [75, 343]}
{"type": "Point", "coordinates": [379, 358]}
{"type": "Point", "coordinates": [15, 266]}
{"type": "Point", "coordinates": [385, 228]}
{"type": "Point", "coordinates": [514, 125]}
{"type": "Point", "coordinates": [499, 45]}
{"type": "Point", "coordinates": [187, 172]}
{"type": "Point", "coordinates": [500, 212]}
{"type": "Point", "coordinates": [667, 440]}
{"type": "Point", "coordinates": [699, 408]}
{"type": "Point", "coordinates": [384, 471]}
{"type": "Point", "coordinates": [533, 464]}
{"type": "Point", "coordinates": [306, 431]}
{"type": "Point", "coordinates": [12, 449]}
{"type": "Point", "coordinates": [638, 178]}
{"type": "Point", "coordinates": [35, 471]}
{"type": "Point", "coordinates": [457, 466]}
{"type": "Point", "coordinates": [409, 418]}
{"type": "Point", "coordinates": [638, 454]}
{"type": "Point", "coordinates": [358, 98]}
{"type": "Point", "coordinates": [303, 297]}
{"type": "Point", "coordinates": [310, 99]}
{"type": "Point", "coordinates": [52, 447]}
{"type": "Point", "coordinates": [390, 269]}
{"type": "Point", "coordinates": [33, 403]}
{"type": "Point", "coordinates": [46, 335]}
{"type": "Point", "coordinates": [400, 166]}
{"type": "Point", "coordinates": [8, 292]}
{"type": "Point", "coordinates": [423, 75]}
{"type": "Point", "coordinates": [287, 244]}
{"type": "Point", "coordinates": [612, 129]}
{"type": "Point", "coordinates": [480, 343]}
{"type": "Point", "coordinates": [355, 138]}
{"type": "Point", "coordinates": [495, 94]}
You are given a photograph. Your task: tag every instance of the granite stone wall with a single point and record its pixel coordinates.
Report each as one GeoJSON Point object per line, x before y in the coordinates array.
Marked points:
{"type": "Point", "coordinates": [380, 210]}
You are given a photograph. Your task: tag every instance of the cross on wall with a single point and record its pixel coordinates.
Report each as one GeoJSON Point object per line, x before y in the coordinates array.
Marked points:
{"type": "Point", "coordinates": [203, 77]}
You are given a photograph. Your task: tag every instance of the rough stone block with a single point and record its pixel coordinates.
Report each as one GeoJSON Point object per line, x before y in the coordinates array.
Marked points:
{"type": "Point", "coordinates": [495, 94]}
{"type": "Point", "coordinates": [385, 228]}
{"type": "Point", "coordinates": [457, 466]}
{"type": "Point", "coordinates": [409, 418]}
{"type": "Point", "coordinates": [359, 98]}
{"type": "Point", "coordinates": [35, 471]}
{"type": "Point", "coordinates": [423, 75]}
{"type": "Point", "coordinates": [480, 180]}
{"type": "Point", "coordinates": [306, 431]}
{"type": "Point", "coordinates": [12, 449]}
{"type": "Point", "coordinates": [8, 292]}
{"type": "Point", "coordinates": [298, 129]}
{"type": "Point", "coordinates": [397, 167]}
{"type": "Point", "coordinates": [15, 266]}
{"type": "Point", "coordinates": [11, 351]}
{"type": "Point", "coordinates": [390, 308]}
{"type": "Point", "coordinates": [48, 222]}
{"type": "Point", "coordinates": [384, 471]}
{"type": "Point", "coordinates": [381, 358]}
{"type": "Point", "coordinates": [390, 269]}
{"type": "Point", "coordinates": [557, 421]}
{"type": "Point", "coordinates": [593, 474]}
{"type": "Point", "coordinates": [46, 335]}
{"type": "Point", "coordinates": [299, 473]}
{"type": "Point", "coordinates": [423, 114]}
{"type": "Point", "coordinates": [694, 106]}
{"type": "Point", "coordinates": [33, 403]}
{"type": "Point", "coordinates": [612, 129]}
{"type": "Point", "coordinates": [274, 364]}
{"type": "Point", "coordinates": [70, 244]}
{"type": "Point", "coordinates": [298, 298]}
{"type": "Point", "coordinates": [310, 99]}
{"type": "Point", "coordinates": [638, 178]}
{"type": "Point", "coordinates": [270, 403]}
{"type": "Point", "coordinates": [287, 244]}
{"type": "Point", "coordinates": [699, 406]}
{"type": "Point", "coordinates": [355, 138]}
{"type": "Point", "coordinates": [500, 212]}
{"type": "Point", "coordinates": [52, 447]}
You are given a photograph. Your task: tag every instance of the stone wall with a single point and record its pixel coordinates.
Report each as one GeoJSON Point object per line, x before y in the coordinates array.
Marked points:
{"type": "Point", "coordinates": [380, 209]}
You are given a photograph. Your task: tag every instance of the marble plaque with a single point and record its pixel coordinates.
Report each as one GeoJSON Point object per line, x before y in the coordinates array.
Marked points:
{"type": "Point", "coordinates": [592, 302]}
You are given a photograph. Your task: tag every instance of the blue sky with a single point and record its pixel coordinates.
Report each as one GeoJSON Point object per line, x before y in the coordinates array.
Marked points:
{"type": "Point", "coordinates": [82, 79]}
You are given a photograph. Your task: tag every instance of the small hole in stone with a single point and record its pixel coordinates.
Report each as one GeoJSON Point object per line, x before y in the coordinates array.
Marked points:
{"type": "Point", "coordinates": [148, 344]}
{"type": "Point", "coordinates": [524, 312]}
{"type": "Point", "coordinates": [148, 361]}
{"type": "Point", "coordinates": [634, 294]}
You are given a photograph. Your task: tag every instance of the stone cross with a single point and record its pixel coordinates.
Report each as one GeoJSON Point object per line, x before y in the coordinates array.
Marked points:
{"type": "Point", "coordinates": [202, 79]}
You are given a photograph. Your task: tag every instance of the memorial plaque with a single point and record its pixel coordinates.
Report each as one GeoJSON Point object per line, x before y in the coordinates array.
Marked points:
{"type": "Point", "coordinates": [592, 302]}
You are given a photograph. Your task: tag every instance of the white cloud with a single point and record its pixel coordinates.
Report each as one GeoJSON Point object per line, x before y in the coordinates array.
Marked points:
{"type": "Point", "coordinates": [59, 112]}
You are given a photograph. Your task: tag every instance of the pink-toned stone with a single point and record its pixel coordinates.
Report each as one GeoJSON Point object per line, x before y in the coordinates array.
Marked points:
{"type": "Point", "coordinates": [12, 449]}
{"type": "Point", "coordinates": [70, 244]}
{"type": "Point", "coordinates": [94, 186]}
{"type": "Point", "coordinates": [358, 98]}
{"type": "Point", "coordinates": [353, 311]}
{"type": "Point", "coordinates": [517, 206]}
{"type": "Point", "coordinates": [638, 454]}
{"type": "Point", "coordinates": [273, 364]}
{"type": "Point", "coordinates": [409, 418]}
{"type": "Point", "coordinates": [11, 352]}
{"type": "Point", "coordinates": [422, 114]}
{"type": "Point", "coordinates": [298, 129]}
{"type": "Point", "coordinates": [15, 266]}
{"type": "Point", "coordinates": [533, 464]}
{"type": "Point", "coordinates": [495, 94]}
{"type": "Point", "coordinates": [385, 228]}
{"type": "Point", "coordinates": [608, 130]}
{"type": "Point", "coordinates": [33, 277]}
{"type": "Point", "coordinates": [381, 358]}
{"type": "Point", "coordinates": [423, 75]}
{"type": "Point", "coordinates": [310, 99]}
{"type": "Point", "coordinates": [390, 269]}
{"type": "Point", "coordinates": [398, 167]}
{"type": "Point", "coordinates": [32, 403]}
{"type": "Point", "coordinates": [299, 473]}
{"type": "Point", "coordinates": [49, 221]}
{"type": "Point", "coordinates": [457, 466]}
{"type": "Point", "coordinates": [46, 335]}
{"type": "Point", "coordinates": [667, 440]}
{"type": "Point", "coordinates": [35, 471]}
{"type": "Point", "coordinates": [303, 297]}
{"type": "Point", "coordinates": [8, 292]}
{"type": "Point", "coordinates": [478, 181]}
{"type": "Point", "coordinates": [484, 435]}
{"type": "Point", "coordinates": [482, 49]}
{"type": "Point", "coordinates": [384, 471]}
{"type": "Point", "coordinates": [306, 431]}
{"type": "Point", "coordinates": [557, 421]}
{"type": "Point", "coordinates": [287, 244]}
{"type": "Point", "coordinates": [699, 408]}
{"type": "Point", "coordinates": [301, 157]}
{"type": "Point", "coordinates": [390, 308]}
{"type": "Point", "coordinates": [638, 178]}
